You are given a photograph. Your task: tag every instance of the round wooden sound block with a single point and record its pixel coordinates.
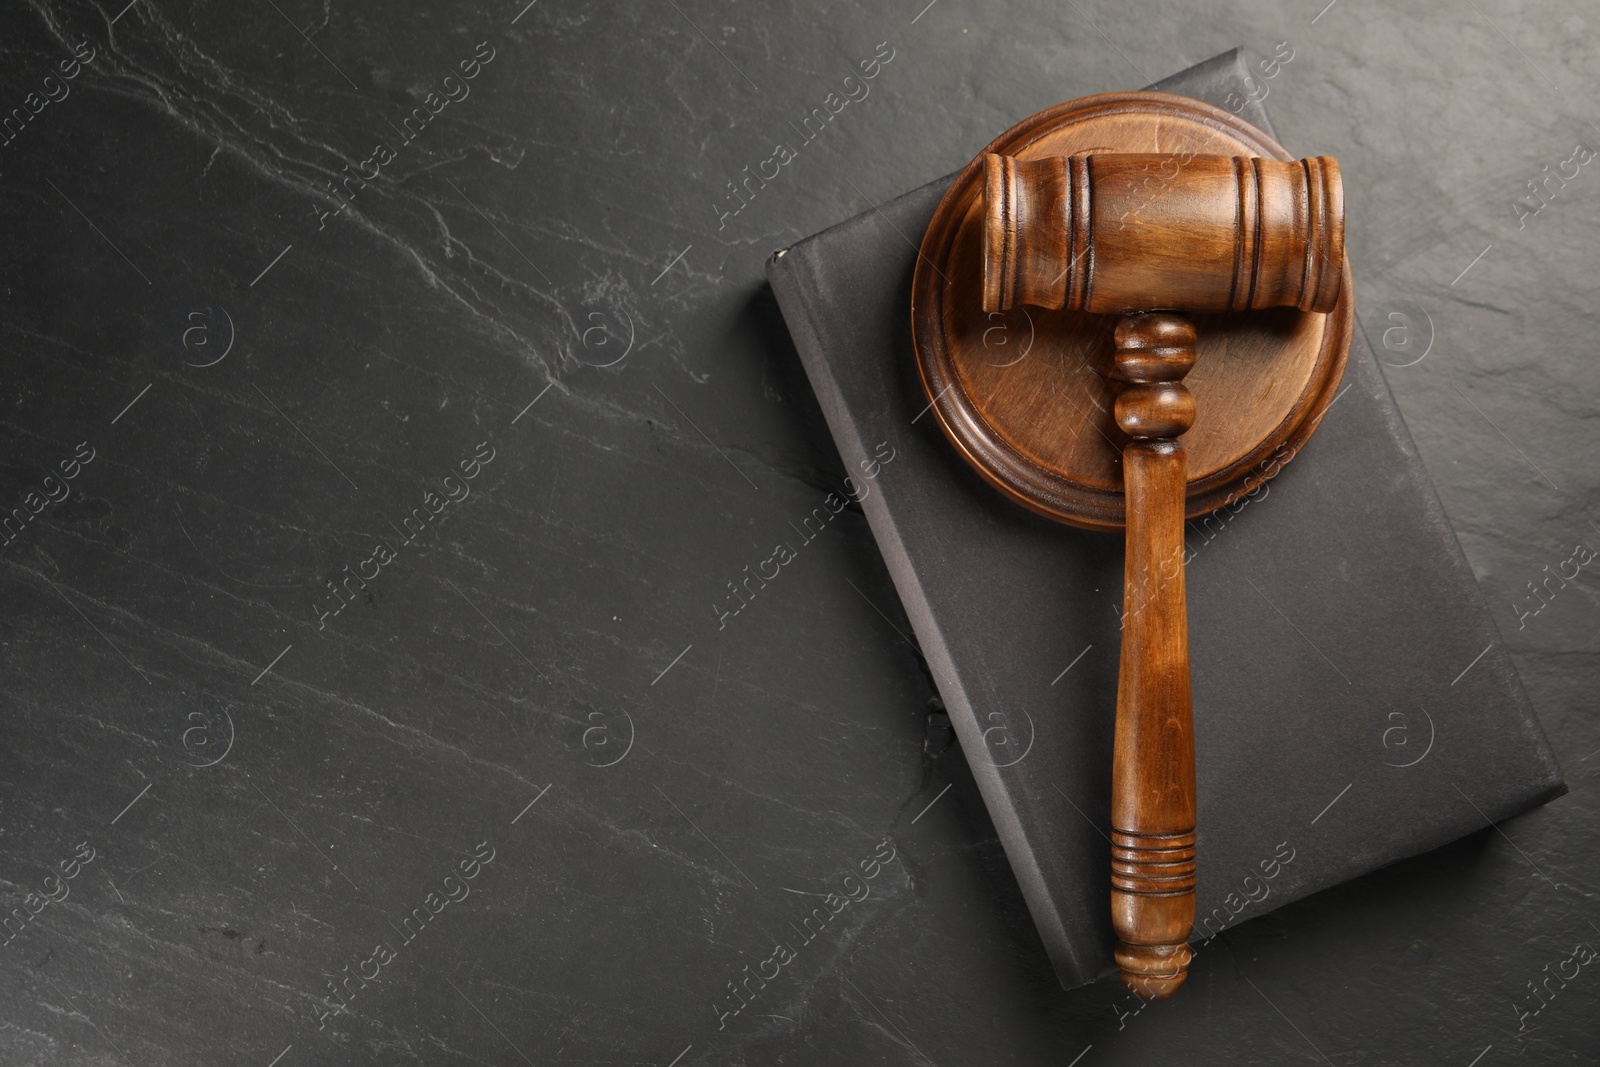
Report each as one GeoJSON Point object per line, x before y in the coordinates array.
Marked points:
{"type": "Point", "coordinates": [1024, 394]}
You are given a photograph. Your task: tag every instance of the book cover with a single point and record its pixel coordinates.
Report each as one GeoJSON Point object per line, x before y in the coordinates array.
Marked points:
{"type": "Point", "coordinates": [1353, 701]}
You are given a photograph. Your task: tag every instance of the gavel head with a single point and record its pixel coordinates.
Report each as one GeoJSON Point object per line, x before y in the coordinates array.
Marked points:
{"type": "Point", "coordinates": [1127, 232]}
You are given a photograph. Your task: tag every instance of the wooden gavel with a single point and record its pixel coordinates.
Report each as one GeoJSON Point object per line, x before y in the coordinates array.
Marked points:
{"type": "Point", "coordinates": [1211, 233]}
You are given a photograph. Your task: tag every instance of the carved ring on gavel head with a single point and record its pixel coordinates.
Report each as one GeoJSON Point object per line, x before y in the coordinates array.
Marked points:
{"type": "Point", "coordinates": [1120, 215]}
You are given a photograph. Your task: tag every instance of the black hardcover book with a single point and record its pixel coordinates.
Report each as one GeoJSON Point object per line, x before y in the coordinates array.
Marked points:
{"type": "Point", "coordinates": [1353, 702]}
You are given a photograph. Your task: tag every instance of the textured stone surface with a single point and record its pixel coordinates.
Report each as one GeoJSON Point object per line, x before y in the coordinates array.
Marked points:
{"type": "Point", "coordinates": [256, 831]}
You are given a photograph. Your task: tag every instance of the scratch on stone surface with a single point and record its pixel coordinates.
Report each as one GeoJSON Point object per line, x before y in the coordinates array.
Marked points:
{"type": "Point", "coordinates": [165, 855]}
{"type": "Point", "coordinates": [854, 937]}
{"type": "Point", "coordinates": [423, 741]}
{"type": "Point", "coordinates": [207, 118]}
{"type": "Point", "coordinates": [184, 576]}
{"type": "Point", "coordinates": [210, 122]}
{"type": "Point", "coordinates": [178, 510]}
{"type": "Point", "coordinates": [180, 962]}
{"type": "Point", "coordinates": [420, 740]}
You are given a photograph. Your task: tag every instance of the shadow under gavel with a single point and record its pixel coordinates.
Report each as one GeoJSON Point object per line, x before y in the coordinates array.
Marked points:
{"type": "Point", "coordinates": [1210, 233]}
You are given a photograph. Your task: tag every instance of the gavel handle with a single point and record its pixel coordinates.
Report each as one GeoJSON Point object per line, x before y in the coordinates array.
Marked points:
{"type": "Point", "coordinates": [1152, 778]}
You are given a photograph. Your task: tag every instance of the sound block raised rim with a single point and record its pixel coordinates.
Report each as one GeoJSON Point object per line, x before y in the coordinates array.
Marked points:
{"type": "Point", "coordinates": [1066, 495]}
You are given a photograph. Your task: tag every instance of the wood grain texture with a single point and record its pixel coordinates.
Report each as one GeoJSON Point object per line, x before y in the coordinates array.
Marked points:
{"type": "Point", "coordinates": [1152, 772]}
{"type": "Point", "coordinates": [1024, 393]}
{"type": "Point", "coordinates": [1105, 232]}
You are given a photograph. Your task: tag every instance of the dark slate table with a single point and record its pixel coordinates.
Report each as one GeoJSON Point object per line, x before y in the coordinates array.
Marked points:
{"type": "Point", "coordinates": [391, 398]}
